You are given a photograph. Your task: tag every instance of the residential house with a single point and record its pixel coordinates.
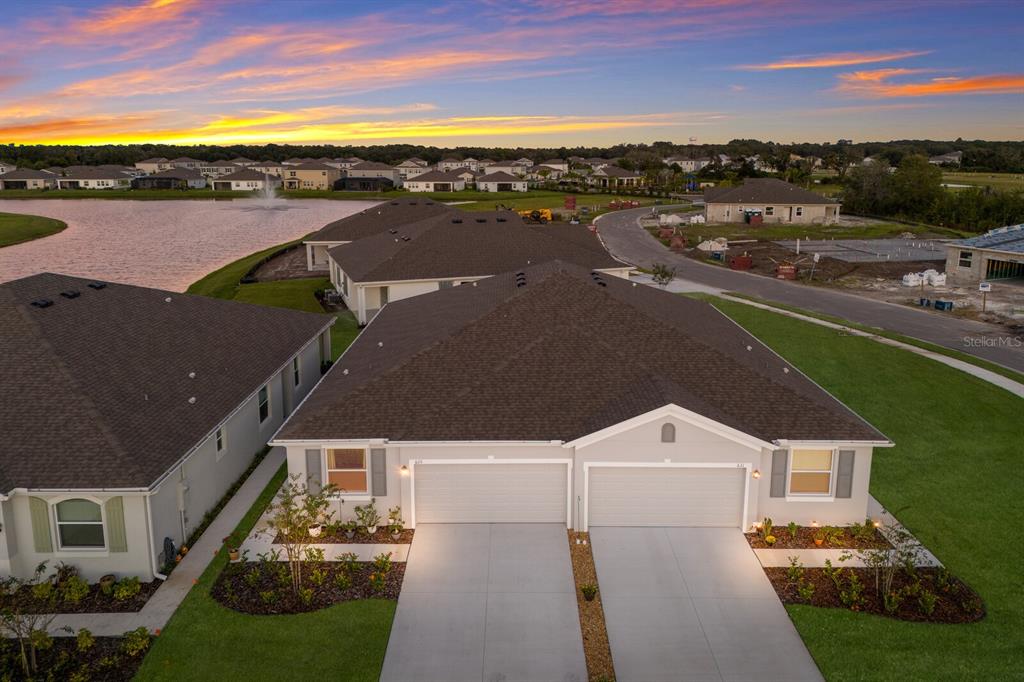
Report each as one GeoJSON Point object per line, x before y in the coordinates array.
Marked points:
{"type": "Point", "coordinates": [452, 249]}
{"type": "Point", "coordinates": [949, 159]}
{"type": "Point", "coordinates": [449, 164]}
{"type": "Point", "coordinates": [346, 163]}
{"type": "Point", "coordinates": [516, 168]}
{"type": "Point", "coordinates": [774, 200]}
{"type": "Point", "coordinates": [596, 163]}
{"type": "Point", "coordinates": [523, 161]}
{"type": "Point", "coordinates": [411, 168]}
{"type": "Point", "coordinates": [217, 169]}
{"type": "Point", "coordinates": [513, 401]}
{"type": "Point", "coordinates": [380, 218]}
{"type": "Point", "coordinates": [87, 177]}
{"type": "Point", "coordinates": [268, 167]}
{"type": "Point", "coordinates": [154, 165]}
{"type": "Point", "coordinates": [186, 162]}
{"type": "Point", "coordinates": [311, 176]}
{"type": "Point", "coordinates": [613, 177]}
{"type": "Point", "coordinates": [6, 167]}
{"type": "Point", "coordinates": [688, 165]}
{"type": "Point", "coordinates": [500, 182]}
{"type": "Point", "coordinates": [373, 169]}
{"type": "Point", "coordinates": [129, 412]}
{"type": "Point", "coordinates": [176, 178]}
{"type": "Point", "coordinates": [468, 175]}
{"type": "Point", "coordinates": [297, 161]}
{"type": "Point", "coordinates": [27, 178]}
{"type": "Point", "coordinates": [560, 164]}
{"type": "Point", "coordinates": [242, 161]}
{"type": "Point", "coordinates": [246, 180]}
{"type": "Point", "coordinates": [436, 181]}
{"type": "Point", "coordinates": [996, 255]}
{"type": "Point", "coordinates": [543, 173]}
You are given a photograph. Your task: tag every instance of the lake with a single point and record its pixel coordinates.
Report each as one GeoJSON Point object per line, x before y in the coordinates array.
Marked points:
{"type": "Point", "coordinates": [161, 244]}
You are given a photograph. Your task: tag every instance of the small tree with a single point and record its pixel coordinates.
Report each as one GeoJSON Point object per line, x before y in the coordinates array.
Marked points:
{"type": "Point", "coordinates": [30, 629]}
{"type": "Point", "coordinates": [293, 512]}
{"type": "Point", "coordinates": [662, 274]}
{"type": "Point", "coordinates": [906, 554]}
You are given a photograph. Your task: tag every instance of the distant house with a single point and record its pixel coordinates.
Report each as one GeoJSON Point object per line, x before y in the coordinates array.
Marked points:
{"type": "Point", "coordinates": [268, 167]}
{"type": "Point", "coordinates": [523, 161]}
{"type": "Point", "coordinates": [154, 165]}
{"type": "Point", "coordinates": [344, 163]}
{"type": "Point", "coordinates": [511, 167]}
{"type": "Point", "coordinates": [544, 172]}
{"type": "Point", "coordinates": [246, 180]}
{"type": "Point", "coordinates": [468, 175]}
{"type": "Point", "coordinates": [242, 161]}
{"type": "Point", "coordinates": [176, 178]}
{"type": "Point", "coordinates": [774, 200]}
{"type": "Point", "coordinates": [186, 162]}
{"type": "Point", "coordinates": [500, 182]}
{"type": "Point", "coordinates": [613, 177]}
{"type": "Point", "coordinates": [27, 178]}
{"type": "Point", "coordinates": [436, 181]}
{"type": "Point", "coordinates": [380, 218]}
{"type": "Point", "coordinates": [373, 169]}
{"type": "Point", "coordinates": [216, 169]}
{"type": "Point", "coordinates": [93, 178]}
{"type": "Point", "coordinates": [996, 255]}
{"type": "Point", "coordinates": [463, 247]}
{"type": "Point", "coordinates": [560, 164]}
{"type": "Point", "coordinates": [311, 176]}
{"type": "Point", "coordinates": [129, 412]}
{"type": "Point", "coordinates": [449, 164]}
{"type": "Point", "coordinates": [6, 167]}
{"type": "Point", "coordinates": [411, 168]}
{"type": "Point", "coordinates": [949, 159]}
{"type": "Point", "coordinates": [363, 185]}
{"type": "Point", "coordinates": [688, 165]}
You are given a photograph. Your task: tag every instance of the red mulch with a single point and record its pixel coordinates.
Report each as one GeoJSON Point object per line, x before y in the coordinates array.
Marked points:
{"type": "Point", "coordinates": [265, 588]}
{"type": "Point", "coordinates": [596, 649]}
{"type": "Point", "coordinates": [94, 602]}
{"type": "Point", "coordinates": [805, 540]}
{"type": "Point", "coordinates": [338, 537]}
{"type": "Point", "coordinates": [955, 603]}
{"type": "Point", "coordinates": [103, 662]}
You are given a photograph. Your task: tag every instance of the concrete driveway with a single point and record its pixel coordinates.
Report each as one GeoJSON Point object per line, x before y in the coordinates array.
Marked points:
{"type": "Point", "coordinates": [693, 604]}
{"type": "Point", "coordinates": [487, 602]}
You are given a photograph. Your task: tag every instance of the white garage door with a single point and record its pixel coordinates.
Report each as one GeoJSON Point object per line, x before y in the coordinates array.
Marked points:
{"type": "Point", "coordinates": [491, 493]}
{"type": "Point", "coordinates": [665, 496]}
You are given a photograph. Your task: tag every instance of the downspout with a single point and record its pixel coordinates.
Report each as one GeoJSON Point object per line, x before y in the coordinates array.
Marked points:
{"type": "Point", "coordinates": [152, 550]}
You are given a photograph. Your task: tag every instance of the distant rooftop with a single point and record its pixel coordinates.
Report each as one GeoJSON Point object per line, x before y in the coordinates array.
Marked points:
{"type": "Point", "coordinates": [1009, 238]}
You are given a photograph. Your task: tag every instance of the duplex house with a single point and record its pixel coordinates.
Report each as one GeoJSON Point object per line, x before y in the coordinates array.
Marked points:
{"type": "Point", "coordinates": [128, 412]}
{"type": "Point", "coordinates": [500, 182]}
{"type": "Point", "coordinates": [186, 162]}
{"type": "Point", "coordinates": [246, 180]}
{"type": "Point", "coordinates": [774, 200]}
{"type": "Point", "coordinates": [613, 177]}
{"type": "Point", "coordinates": [217, 169]}
{"type": "Point", "coordinates": [176, 178]}
{"type": "Point", "coordinates": [373, 169]}
{"type": "Point", "coordinates": [436, 181]}
{"type": "Point", "coordinates": [93, 178]}
{"type": "Point", "coordinates": [557, 394]}
{"type": "Point", "coordinates": [311, 176]}
{"type": "Point", "coordinates": [154, 165]}
{"type": "Point", "coordinates": [688, 165]}
{"type": "Point", "coordinates": [27, 178]}
{"type": "Point", "coordinates": [452, 249]}
{"type": "Point", "coordinates": [368, 222]}
{"type": "Point", "coordinates": [411, 168]}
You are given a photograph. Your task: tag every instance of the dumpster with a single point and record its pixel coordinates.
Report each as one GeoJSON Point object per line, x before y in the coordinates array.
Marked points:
{"type": "Point", "coordinates": [743, 262]}
{"type": "Point", "coordinates": [943, 305]}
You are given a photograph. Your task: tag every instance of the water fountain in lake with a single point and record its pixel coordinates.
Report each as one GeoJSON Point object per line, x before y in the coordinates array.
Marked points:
{"type": "Point", "coordinates": [268, 200]}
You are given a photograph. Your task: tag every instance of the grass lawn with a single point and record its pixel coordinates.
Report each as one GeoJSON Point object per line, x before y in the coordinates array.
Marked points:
{"type": "Point", "coordinates": [953, 478]}
{"type": "Point", "coordinates": [205, 641]}
{"type": "Point", "coordinates": [1004, 181]}
{"type": "Point", "coordinates": [16, 228]}
{"type": "Point", "coordinates": [774, 232]}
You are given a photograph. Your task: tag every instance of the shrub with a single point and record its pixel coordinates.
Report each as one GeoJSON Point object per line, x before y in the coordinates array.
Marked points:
{"type": "Point", "coordinates": [317, 576]}
{"type": "Point", "coordinates": [135, 642]}
{"type": "Point", "coordinates": [834, 574]}
{"type": "Point", "coordinates": [342, 580]}
{"type": "Point", "coordinates": [84, 640]}
{"type": "Point", "coordinates": [348, 561]}
{"type": "Point", "coordinates": [926, 602]}
{"type": "Point", "coordinates": [74, 589]}
{"type": "Point", "coordinates": [377, 582]}
{"type": "Point", "coordinates": [269, 596]}
{"type": "Point", "coordinates": [794, 529]}
{"type": "Point", "coordinates": [891, 601]}
{"type": "Point", "coordinates": [805, 589]}
{"type": "Point", "coordinates": [127, 588]}
{"type": "Point", "coordinates": [382, 562]}
{"type": "Point", "coordinates": [367, 515]}
{"type": "Point", "coordinates": [306, 595]}
{"type": "Point", "coordinates": [43, 591]}
{"type": "Point", "coordinates": [41, 640]}
{"type": "Point", "coordinates": [766, 527]}
{"type": "Point", "coordinates": [853, 596]}
{"type": "Point", "coordinates": [589, 591]}
{"type": "Point", "coordinates": [252, 577]}
{"type": "Point", "coordinates": [795, 572]}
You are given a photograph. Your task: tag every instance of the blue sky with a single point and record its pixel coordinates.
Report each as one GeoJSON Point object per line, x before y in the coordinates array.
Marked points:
{"type": "Point", "coordinates": [488, 72]}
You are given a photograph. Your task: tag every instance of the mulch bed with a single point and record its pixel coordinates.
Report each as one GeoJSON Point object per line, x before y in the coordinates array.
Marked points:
{"type": "Point", "coordinates": [805, 540]}
{"type": "Point", "coordinates": [265, 588]}
{"type": "Point", "coordinates": [104, 662]}
{"type": "Point", "coordinates": [94, 602]}
{"type": "Point", "coordinates": [338, 537]}
{"type": "Point", "coordinates": [595, 635]}
{"type": "Point", "coordinates": [955, 603]}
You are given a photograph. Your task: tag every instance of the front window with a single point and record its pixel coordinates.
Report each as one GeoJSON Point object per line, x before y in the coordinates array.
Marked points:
{"type": "Point", "coordinates": [296, 377]}
{"type": "Point", "coordinates": [810, 472]}
{"type": "Point", "coordinates": [769, 210]}
{"type": "Point", "coordinates": [965, 259]}
{"type": "Point", "coordinates": [799, 210]}
{"type": "Point", "coordinates": [264, 403]}
{"type": "Point", "coordinates": [346, 469]}
{"type": "Point", "coordinates": [80, 524]}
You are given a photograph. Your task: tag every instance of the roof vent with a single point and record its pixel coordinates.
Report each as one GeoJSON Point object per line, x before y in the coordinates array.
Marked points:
{"type": "Point", "coordinates": [393, 231]}
{"type": "Point", "coordinates": [42, 303]}
{"type": "Point", "coordinates": [167, 300]}
{"type": "Point", "coordinates": [191, 375]}
{"type": "Point", "coordinates": [97, 285]}
{"type": "Point", "coordinates": [457, 220]}
{"type": "Point", "coordinates": [70, 293]}
{"type": "Point", "coordinates": [412, 203]}
{"type": "Point", "coordinates": [502, 220]}
{"type": "Point", "coordinates": [380, 344]}
{"type": "Point", "coordinates": [345, 372]}
{"type": "Point", "coordinates": [406, 238]}
{"type": "Point", "coordinates": [192, 400]}
{"type": "Point", "coordinates": [394, 203]}
{"type": "Point", "coordinates": [481, 220]}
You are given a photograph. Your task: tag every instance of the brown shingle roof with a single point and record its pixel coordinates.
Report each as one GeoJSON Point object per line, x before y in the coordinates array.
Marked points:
{"type": "Point", "coordinates": [244, 175]}
{"type": "Point", "coordinates": [96, 388]}
{"type": "Point", "coordinates": [499, 176]}
{"type": "Point", "coordinates": [436, 176]}
{"type": "Point", "coordinates": [557, 358]}
{"type": "Point", "coordinates": [467, 245]}
{"type": "Point", "coordinates": [27, 174]}
{"type": "Point", "coordinates": [764, 191]}
{"type": "Point", "coordinates": [379, 218]}
{"type": "Point", "coordinates": [372, 165]}
{"type": "Point", "coordinates": [616, 172]}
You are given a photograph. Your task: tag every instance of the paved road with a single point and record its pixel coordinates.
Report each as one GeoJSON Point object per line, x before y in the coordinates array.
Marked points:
{"type": "Point", "coordinates": [486, 603]}
{"type": "Point", "coordinates": [625, 238]}
{"type": "Point", "coordinates": [693, 604]}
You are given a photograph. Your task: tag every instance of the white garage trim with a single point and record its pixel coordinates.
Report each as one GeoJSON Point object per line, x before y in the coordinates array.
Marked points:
{"type": "Point", "coordinates": [413, 463]}
{"type": "Point", "coordinates": [587, 466]}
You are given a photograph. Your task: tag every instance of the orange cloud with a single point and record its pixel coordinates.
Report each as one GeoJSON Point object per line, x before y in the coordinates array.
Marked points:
{"type": "Point", "coordinates": [825, 61]}
{"type": "Point", "coordinates": [131, 18]}
{"type": "Point", "coordinates": [878, 83]}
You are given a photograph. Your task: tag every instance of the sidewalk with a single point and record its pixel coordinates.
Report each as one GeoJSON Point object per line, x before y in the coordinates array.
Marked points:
{"type": "Point", "coordinates": [165, 601]}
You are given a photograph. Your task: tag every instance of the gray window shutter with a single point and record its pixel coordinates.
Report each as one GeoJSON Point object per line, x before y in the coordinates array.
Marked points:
{"type": "Point", "coordinates": [379, 471]}
{"type": "Point", "coordinates": [39, 511]}
{"type": "Point", "coordinates": [117, 538]}
{"type": "Point", "coordinates": [313, 477]}
{"type": "Point", "coordinates": [780, 462]}
{"type": "Point", "coordinates": [844, 477]}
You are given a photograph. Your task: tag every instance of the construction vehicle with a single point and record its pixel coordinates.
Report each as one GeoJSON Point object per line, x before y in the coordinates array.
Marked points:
{"type": "Point", "coordinates": [537, 215]}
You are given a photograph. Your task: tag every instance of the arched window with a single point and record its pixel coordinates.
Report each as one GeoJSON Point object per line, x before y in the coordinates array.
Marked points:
{"type": "Point", "coordinates": [80, 524]}
{"type": "Point", "coordinates": [668, 433]}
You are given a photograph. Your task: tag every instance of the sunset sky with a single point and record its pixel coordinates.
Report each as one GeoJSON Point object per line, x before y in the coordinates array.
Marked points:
{"type": "Point", "coordinates": [508, 73]}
